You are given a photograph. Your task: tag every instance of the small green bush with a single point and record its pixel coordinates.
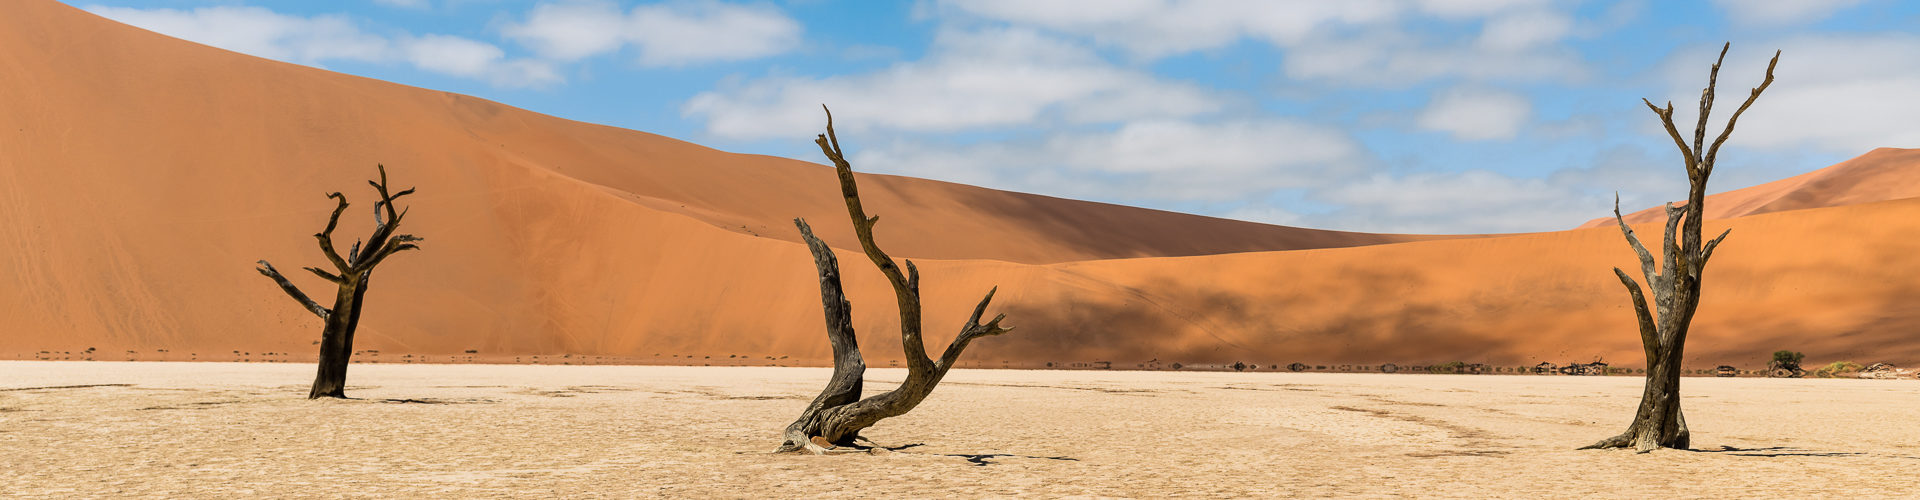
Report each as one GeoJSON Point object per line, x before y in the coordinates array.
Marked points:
{"type": "Point", "coordinates": [1836, 368]}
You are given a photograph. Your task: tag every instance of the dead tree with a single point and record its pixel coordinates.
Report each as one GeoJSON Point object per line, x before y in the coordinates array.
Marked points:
{"type": "Point", "coordinates": [351, 275]}
{"type": "Point", "coordinates": [1676, 286]}
{"type": "Point", "coordinates": [834, 420]}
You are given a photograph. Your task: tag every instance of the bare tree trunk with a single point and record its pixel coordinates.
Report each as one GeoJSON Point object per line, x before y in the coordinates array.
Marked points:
{"type": "Point", "coordinates": [336, 347]}
{"type": "Point", "coordinates": [336, 338]}
{"type": "Point", "coordinates": [1675, 283]}
{"type": "Point", "coordinates": [848, 367]}
{"type": "Point", "coordinates": [836, 417]}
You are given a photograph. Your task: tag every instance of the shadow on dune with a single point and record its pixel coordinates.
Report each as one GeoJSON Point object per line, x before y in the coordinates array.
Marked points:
{"type": "Point", "coordinates": [1188, 322]}
{"type": "Point", "coordinates": [1114, 231]}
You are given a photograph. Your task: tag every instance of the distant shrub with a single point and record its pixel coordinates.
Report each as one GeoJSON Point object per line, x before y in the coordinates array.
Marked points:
{"type": "Point", "coordinates": [1836, 368]}
{"type": "Point", "coordinates": [1786, 364]}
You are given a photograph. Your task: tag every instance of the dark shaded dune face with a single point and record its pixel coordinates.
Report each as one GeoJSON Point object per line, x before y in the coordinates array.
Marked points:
{"type": "Point", "coordinates": [141, 177]}
{"type": "Point", "coordinates": [1113, 231]}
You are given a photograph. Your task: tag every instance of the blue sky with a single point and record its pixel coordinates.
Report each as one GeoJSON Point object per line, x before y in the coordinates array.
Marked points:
{"type": "Point", "coordinates": [1427, 116]}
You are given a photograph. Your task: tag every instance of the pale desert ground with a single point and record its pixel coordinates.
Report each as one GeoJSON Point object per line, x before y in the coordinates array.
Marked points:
{"type": "Point", "coordinates": [230, 430]}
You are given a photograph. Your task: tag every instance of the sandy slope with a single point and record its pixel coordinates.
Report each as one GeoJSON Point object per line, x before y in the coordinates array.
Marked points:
{"type": "Point", "coordinates": [189, 126]}
{"type": "Point", "coordinates": [1835, 283]}
{"type": "Point", "coordinates": [1880, 175]}
{"type": "Point", "coordinates": [209, 430]}
{"type": "Point", "coordinates": [141, 176]}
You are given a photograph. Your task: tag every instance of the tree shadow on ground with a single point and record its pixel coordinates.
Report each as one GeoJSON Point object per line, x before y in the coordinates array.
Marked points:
{"type": "Point", "coordinates": [1788, 451]}
{"type": "Point", "coordinates": [10, 389]}
{"type": "Point", "coordinates": [978, 459]}
{"type": "Point", "coordinates": [428, 401]}
{"type": "Point", "coordinates": [985, 459]}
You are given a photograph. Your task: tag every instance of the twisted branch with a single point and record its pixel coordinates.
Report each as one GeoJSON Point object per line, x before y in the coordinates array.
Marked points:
{"type": "Point", "coordinates": [1754, 95]}
{"type": "Point", "coordinates": [1646, 258]}
{"type": "Point", "coordinates": [360, 259]}
{"type": "Point", "coordinates": [905, 291]}
{"type": "Point", "coordinates": [326, 236]}
{"type": "Point", "coordinates": [293, 291]}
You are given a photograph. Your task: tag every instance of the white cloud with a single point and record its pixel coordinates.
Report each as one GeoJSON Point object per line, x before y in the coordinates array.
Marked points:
{"type": "Point", "coordinates": [1156, 160]}
{"type": "Point", "coordinates": [407, 4]}
{"type": "Point", "coordinates": [1476, 114]}
{"type": "Point", "coordinates": [972, 80]}
{"type": "Point", "coordinates": [668, 34]}
{"type": "Point", "coordinates": [1265, 213]}
{"type": "Point", "coordinates": [458, 56]}
{"type": "Point", "coordinates": [316, 40]}
{"type": "Point", "coordinates": [675, 34]}
{"type": "Point", "coordinates": [1474, 201]}
{"type": "Point", "coordinates": [1457, 9]}
{"type": "Point", "coordinates": [1390, 58]}
{"type": "Point", "coordinates": [1166, 27]}
{"type": "Point", "coordinates": [1425, 193]}
{"type": "Point", "coordinates": [260, 32]}
{"type": "Point", "coordinates": [1843, 94]}
{"type": "Point", "coordinates": [571, 30]}
{"type": "Point", "coordinates": [1484, 201]}
{"type": "Point", "coordinates": [1776, 12]}
{"type": "Point", "coordinates": [453, 55]}
{"type": "Point", "coordinates": [1524, 30]}
{"type": "Point", "coordinates": [1365, 42]}
{"type": "Point", "coordinates": [1158, 28]}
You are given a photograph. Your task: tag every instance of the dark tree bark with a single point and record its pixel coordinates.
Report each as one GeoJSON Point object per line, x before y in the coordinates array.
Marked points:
{"type": "Point", "coordinates": [1676, 285]}
{"type": "Point", "coordinates": [834, 420]}
{"type": "Point", "coordinates": [354, 271]}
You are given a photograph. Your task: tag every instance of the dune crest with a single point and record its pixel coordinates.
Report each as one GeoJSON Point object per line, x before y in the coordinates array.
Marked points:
{"type": "Point", "coordinates": [1880, 175]}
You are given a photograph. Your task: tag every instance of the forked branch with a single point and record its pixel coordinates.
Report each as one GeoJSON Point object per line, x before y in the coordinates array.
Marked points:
{"type": "Point", "coordinates": [1666, 118]}
{"type": "Point", "coordinates": [1731, 120]}
{"type": "Point", "coordinates": [906, 291]}
{"type": "Point", "coordinates": [1646, 258]}
{"type": "Point", "coordinates": [326, 236]}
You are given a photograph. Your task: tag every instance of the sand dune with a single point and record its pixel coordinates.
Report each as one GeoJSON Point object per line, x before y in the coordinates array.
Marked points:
{"type": "Point", "coordinates": [127, 100]}
{"type": "Point", "coordinates": [141, 177]}
{"type": "Point", "coordinates": [1880, 175]}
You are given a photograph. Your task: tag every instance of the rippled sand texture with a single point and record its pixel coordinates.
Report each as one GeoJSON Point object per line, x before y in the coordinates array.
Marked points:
{"type": "Point", "coordinates": [221, 430]}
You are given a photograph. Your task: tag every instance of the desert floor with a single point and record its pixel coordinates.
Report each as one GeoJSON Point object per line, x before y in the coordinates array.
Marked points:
{"type": "Point", "coordinates": [233, 430]}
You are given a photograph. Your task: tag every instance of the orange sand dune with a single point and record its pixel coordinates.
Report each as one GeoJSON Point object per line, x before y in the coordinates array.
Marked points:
{"type": "Point", "coordinates": [1880, 175]}
{"type": "Point", "coordinates": [141, 176]}
{"type": "Point", "coordinates": [99, 84]}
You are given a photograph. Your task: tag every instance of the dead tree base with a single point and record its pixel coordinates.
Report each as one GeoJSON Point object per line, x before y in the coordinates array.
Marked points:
{"type": "Point", "coordinates": [819, 446]}
{"type": "Point", "coordinates": [1641, 441]}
